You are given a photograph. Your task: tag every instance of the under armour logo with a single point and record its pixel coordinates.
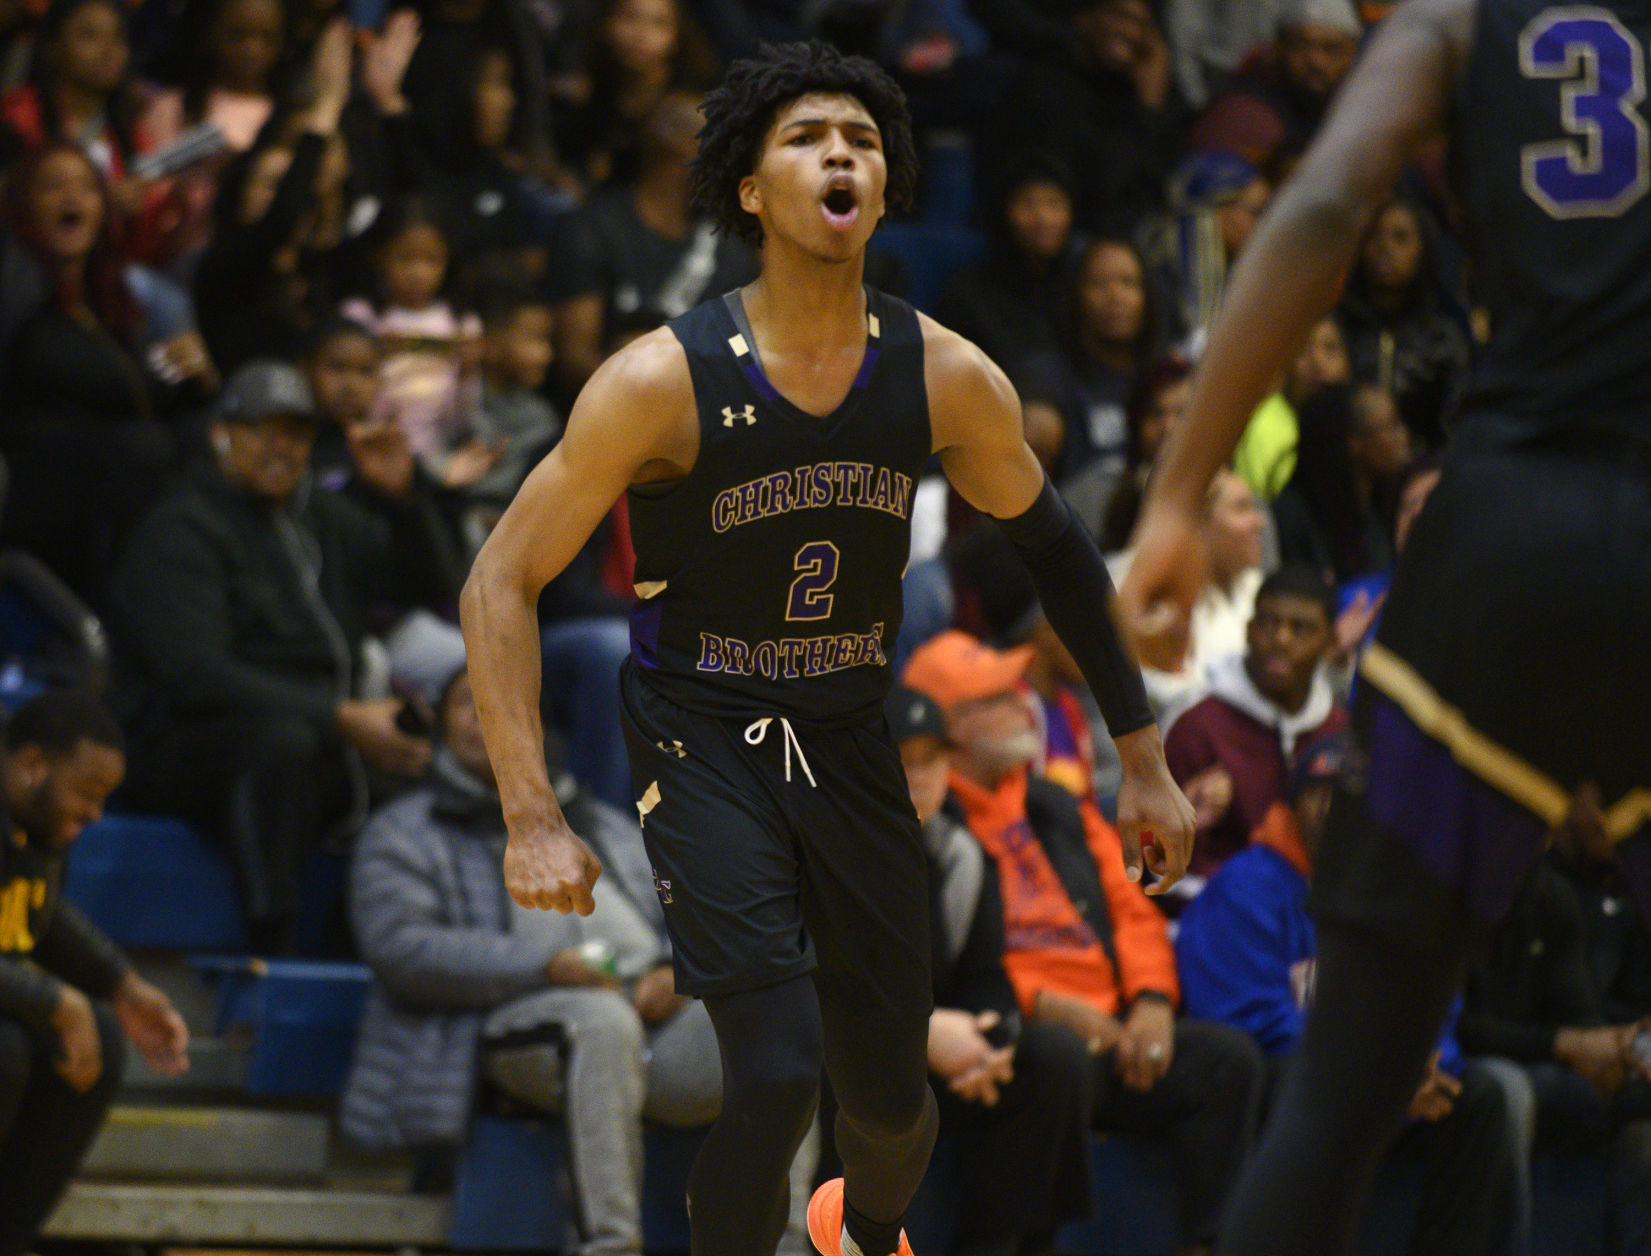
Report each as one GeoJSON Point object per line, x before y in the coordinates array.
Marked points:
{"type": "Point", "coordinates": [672, 747]}
{"type": "Point", "coordinates": [749, 414]}
{"type": "Point", "coordinates": [662, 888]}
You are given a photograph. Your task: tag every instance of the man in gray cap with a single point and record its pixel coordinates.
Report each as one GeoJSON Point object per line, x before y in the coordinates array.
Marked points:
{"type": "Point", "coordinates": [241, 606]}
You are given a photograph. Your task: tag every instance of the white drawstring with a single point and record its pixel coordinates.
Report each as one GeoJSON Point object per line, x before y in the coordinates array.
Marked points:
{"type": "Point", "coordinates": [757, 731]}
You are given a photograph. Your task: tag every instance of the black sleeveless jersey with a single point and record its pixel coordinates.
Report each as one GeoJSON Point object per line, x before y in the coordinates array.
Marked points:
{"type": "Point", "coordinates": [768, 579]}
{"type": "Point", "coordinates": [1553, 152]}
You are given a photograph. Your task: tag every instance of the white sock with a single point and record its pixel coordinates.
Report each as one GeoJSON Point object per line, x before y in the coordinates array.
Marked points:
{"type": "Point", "coordinates": [849, 1247]}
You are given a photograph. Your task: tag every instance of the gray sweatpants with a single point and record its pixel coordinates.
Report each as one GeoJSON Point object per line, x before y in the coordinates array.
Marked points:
{"type": "Point", "coordinates": [584, 1054]}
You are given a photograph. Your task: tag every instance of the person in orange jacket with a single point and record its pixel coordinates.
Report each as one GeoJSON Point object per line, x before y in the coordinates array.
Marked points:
{"type": "Point", "coordinates": [1083, 946]}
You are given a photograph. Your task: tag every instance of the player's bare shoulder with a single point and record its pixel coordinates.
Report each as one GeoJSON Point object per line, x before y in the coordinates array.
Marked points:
{"type": "Point", "coordinates": [643, 398]}
{"type": "Point", "coordinates": [965, 386]}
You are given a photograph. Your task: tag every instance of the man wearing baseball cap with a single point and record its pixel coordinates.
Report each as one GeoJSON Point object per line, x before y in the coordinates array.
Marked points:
{"type": "Point", "coordinates": [244, 601]}
{"type": "Point", "coordinates": [1083, 946]}
{"type": "Point", "coordinates": [1013, 1097]}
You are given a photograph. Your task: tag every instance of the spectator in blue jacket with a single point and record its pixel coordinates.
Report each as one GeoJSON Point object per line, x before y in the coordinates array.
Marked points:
{"type": "Point", "coordinates": [1246, 951]}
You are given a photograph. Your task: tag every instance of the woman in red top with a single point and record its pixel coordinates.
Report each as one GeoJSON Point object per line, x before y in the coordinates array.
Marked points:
{"type": "Point", "coordinates": [81, 92]}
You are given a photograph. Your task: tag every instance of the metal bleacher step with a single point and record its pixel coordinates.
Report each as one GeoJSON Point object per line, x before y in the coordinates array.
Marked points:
{"type": "Point", "coordinates": [200, 1143]}
{"type": "Point", "coordinates": [146, 1213]}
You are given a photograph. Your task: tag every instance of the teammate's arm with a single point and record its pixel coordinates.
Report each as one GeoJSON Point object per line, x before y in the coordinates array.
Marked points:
{"type": "Point", "coordinates": [980, 436]}
{"type": "Point", "coordinates": [1397, 97]}
{"type": "Point", "coordinates": [628, 424]}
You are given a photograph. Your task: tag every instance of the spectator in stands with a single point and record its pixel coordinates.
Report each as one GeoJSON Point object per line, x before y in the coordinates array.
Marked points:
{"type": "Point", "coordinates": [639, 247]}
{"type": "Point", "coordinates": [1013, 301]}
{"type": "Point", "coordinates": [1276, 98]}
{"type": "Point", "coordinates": [1246, 950]}
{"type": "Point", "coordinates": [1012, 1094]}
{"type": "Point", "coordinates": [265, 281]}
{"type": "Point", "coordinates": [574, 1016]}
{"type": "Point", "coordinates": [427, 380]}
{"type": "Point", "coordinates": [64, 987]}
{"type": "Point", "coordinates": [229, 78]}
{"type": "Point", "coordinates": [1394, 316]}
{"type": "Point", "coordinates": [1234, 525]}
{"type": "Point", "coordinates": [1210, 38]}
{"type": "Point", "coordinates": [641, 50]}
{"type": "Point", "coordinates": [1336, 512]}
{"type": "Point", "coordinates": [1231, 752]}
{"type": "Point", "coordinates": [342, 369]}
{"type": "Point", "coordinates": [476, 167]}
{"type": "Point", "coordinates": [422, 643]}
{"type": "Point", "coordinates": [513, 422]}
{"type": "Point", "coordinates": [1215, 199]}
{"type": "Point", "coordinates": [81, 92]}
{"type": "Point", "coordinates": [1266, 453]}
{"type": "Point", "coordinates": [91, 415]}
{"type": "Point", "coordinates": [1105, 103]}
{"type": "Point", "coordinates": [454, 33]}
{"type": "Point", "coordinates": [242, 606]}
{"type": "Point", "coordinates": [1617, 940]}
{"type": "Point", "coordinates": [1084, 948]}
{"type": "Point", "coordinates": [1532, 1001]}
{"type": "Point", "coordinates": [1111, 335]}
{"type": "Point", "coordinates": [1158, 404]}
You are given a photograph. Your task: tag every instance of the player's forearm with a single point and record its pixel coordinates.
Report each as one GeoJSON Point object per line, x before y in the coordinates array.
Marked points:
{"type": "Point", "coordinates": [501, 642]}
{"type": "Point", "coordinates": [1075, 591]}
{"type": "Point", "coordinates": [1286, 282]}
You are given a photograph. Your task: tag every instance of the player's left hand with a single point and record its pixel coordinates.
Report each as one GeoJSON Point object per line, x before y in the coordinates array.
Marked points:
{"type": "Point", "coordinates": [1155, 820]}
{"type": "Point", "coordinates": [153, 1025]}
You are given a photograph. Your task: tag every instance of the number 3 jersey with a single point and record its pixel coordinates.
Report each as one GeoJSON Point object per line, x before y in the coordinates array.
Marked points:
{"type": "Point", "coordinates": [1553, 165]}
{"type": "Point", "coordinates": [768, 579]}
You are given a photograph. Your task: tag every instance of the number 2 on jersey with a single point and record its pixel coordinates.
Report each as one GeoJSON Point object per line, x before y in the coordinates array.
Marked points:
{"type": "Point", "coordinates": [1605, 167]}
{"type": "Point", "coordinates": [816, 565]}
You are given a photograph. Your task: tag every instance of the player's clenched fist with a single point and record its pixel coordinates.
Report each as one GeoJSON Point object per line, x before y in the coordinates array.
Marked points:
{"type": "Point", "coordinates": [551, 869]}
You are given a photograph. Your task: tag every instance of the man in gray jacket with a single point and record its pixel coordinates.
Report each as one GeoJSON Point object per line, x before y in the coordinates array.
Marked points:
{"type": "Point", "coordinates": [570, 1015]}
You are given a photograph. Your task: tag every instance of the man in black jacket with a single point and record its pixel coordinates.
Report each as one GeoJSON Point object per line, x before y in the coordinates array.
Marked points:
{"type": "Point", "coordinates": [1013, 1096]}
{"type": "Point", "coordinates": [242, 606]}
{"type": "Point", "coordinates": [64, 987]}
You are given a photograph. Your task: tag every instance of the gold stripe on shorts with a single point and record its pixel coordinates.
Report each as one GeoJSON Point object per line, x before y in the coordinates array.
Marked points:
{"type": "Point", "coordinates": [1490, 761]}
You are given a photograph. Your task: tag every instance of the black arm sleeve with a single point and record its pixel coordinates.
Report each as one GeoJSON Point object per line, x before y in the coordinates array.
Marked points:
{"type": "Point", "coordinates": [76, 950]}
{"type": "Point", "coordinates": [1076, 592]}
{"type": "Point", "coordinates": [27, 993]}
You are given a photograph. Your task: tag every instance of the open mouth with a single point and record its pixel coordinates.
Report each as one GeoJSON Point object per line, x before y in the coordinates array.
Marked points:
{"type": "Point", "coordinates": [841, 206]}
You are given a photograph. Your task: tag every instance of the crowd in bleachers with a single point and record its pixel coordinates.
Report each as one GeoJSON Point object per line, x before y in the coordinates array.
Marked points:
{"type": "Point", "coordinates": [294, 294]}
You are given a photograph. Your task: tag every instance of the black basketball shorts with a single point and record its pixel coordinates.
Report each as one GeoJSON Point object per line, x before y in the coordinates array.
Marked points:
{"type": "Point", "coordinates": [1513, 663]}
{"type": "Point", "coordinates": [764, 878]}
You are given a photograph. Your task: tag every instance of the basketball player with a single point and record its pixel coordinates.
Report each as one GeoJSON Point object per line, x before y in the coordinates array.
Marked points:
{"type": "Point", "coordinates": [770, 441]}
{"type": "Point", "coordinates": [1513, 664]}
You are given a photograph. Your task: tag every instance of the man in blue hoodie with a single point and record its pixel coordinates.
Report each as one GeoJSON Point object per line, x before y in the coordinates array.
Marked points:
{"type": "Point", "coordinates": [1246, 953]}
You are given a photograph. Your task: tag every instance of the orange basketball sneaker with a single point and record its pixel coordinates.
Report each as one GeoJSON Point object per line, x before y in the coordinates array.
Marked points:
{"type": "Point", "coordinates": [825, 1221]}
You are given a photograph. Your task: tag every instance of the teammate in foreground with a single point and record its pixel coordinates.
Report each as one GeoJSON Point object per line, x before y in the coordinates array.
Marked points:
{"type": "Point", "coordinates": [770, 441]}
{"type": "Point", "coordinates": [1513, 665]}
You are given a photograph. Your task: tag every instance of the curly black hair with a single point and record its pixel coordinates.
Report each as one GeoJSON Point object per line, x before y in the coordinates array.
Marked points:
{"type": "Point", "coordinates": [740, 111]}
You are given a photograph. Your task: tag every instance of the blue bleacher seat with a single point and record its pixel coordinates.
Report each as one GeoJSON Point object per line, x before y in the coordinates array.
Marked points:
{"type": "Point", "coordinates": [930, 254]}
{"type": "Point", "coordinates": [510, 1187]}
{"type": "Point", "coordinates": [154, 882]}
{"type": "Point", "coordinates": [302, 1015]}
